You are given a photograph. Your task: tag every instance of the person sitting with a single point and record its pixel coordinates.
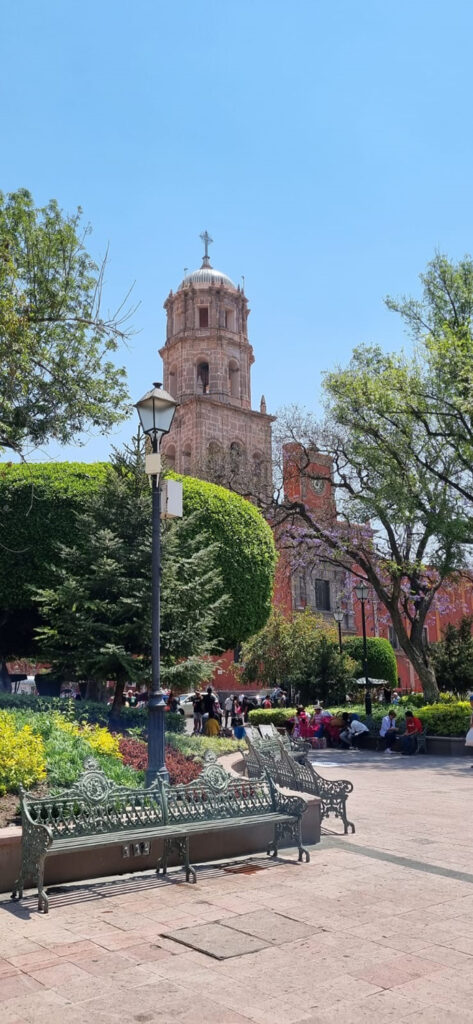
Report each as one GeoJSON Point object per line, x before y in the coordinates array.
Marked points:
{"type": "Point", "coordinates": [413, 729]}
{"type": "Point", "coordinates": [388, 731]}
{"type": "Point", "coordinates": [344, 737]}
{"type": "Point", "coordinates": [359, 733]}
{"type": "Point", "coordinates": [212, 726]}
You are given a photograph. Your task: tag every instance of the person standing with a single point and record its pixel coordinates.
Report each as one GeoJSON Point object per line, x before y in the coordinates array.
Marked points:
{"type": "Point", "coordinates": [198, 709]}
{"type": "Point", "coordinates": [388, 731]}
{"type": "Point", "coordinates": [229, 707]}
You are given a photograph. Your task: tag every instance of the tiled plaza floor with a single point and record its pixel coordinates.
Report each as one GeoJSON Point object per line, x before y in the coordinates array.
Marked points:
{"type": "Point", "coordinates": [388, 916]}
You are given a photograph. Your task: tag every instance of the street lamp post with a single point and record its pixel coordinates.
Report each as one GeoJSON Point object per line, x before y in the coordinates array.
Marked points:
{"type": "Point", "coordinates": [156, 411]}
{"type": "Point", "coordinates": [362, 592]}
{"type": "Point", "coordinates": [339, 617]}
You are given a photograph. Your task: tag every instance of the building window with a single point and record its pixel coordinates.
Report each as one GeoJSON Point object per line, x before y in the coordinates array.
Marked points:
{"type": "Point", "coordinates": [203, 375]}
{"type": "Point", "coordinates": [322, 595]}
{"type": "Point", "coordinates": [228, 319]}
{"type": "Point", "coordinates": [203, 316]}
{"type": "Point", "coordinates": [393, 639]}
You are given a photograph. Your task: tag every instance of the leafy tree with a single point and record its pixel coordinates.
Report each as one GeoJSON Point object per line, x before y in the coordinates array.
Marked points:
{"type": "Point", "coordinates": [97, 608]}
{"type": "Point", "coordinates": [399, 430]}
{"type": "Point", "coordinates": [453, 657]}
{"type": "Point", "coordinates": [40, 504]}
{"type": "Point", "coordinates": [381, 660]}
{"type": "Point", "coordinates": [301, 652]}
{"type": "Point", "coordinates": [55, 375]}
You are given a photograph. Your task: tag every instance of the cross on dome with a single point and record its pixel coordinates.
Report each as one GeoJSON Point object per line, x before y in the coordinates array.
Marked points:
{"type": "Point", "coordinates": [207, 240]}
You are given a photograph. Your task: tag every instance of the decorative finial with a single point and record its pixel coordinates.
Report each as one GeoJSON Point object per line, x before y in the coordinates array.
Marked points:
{"type": "Point", "coordinates": [186, 271]}
{"type": "Point", "coordinates": [207, 240]}
{"type": "Point", "coordinates": [262, 405]}
{"type": "Point", "coordinates": [243, 284]}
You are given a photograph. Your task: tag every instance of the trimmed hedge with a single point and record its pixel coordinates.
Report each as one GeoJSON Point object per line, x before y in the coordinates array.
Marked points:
{"type": "Point", "coordinates": [268, 716]}
{"type": "Point", "coordinates": [39, 503]}
{"type": "Point", "coordinates": [381, 658]}
{"type": "Point", "coordinates": [439, 719]}
{"type": "Point", "coordinates": [88, 711]}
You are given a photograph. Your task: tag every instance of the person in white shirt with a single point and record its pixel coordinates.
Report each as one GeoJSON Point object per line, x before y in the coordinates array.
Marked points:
{"type": "Point", "coordinates": [355, 733]}
{"type": "Point", "coordinates": [388, 731]}
{"type": "Point", "coordinates": [228, 705]}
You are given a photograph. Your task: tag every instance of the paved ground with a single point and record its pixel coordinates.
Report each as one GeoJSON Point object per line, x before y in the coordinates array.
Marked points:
{"type": "Point", "coordinates": [378, 927]}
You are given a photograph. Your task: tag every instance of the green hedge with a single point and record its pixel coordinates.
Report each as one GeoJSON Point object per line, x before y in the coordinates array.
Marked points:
{"type": "Point", "coordinates": [443, 719]}
{"type": "Point", "coordinates": [266, 716]}
{"type": "Point", "coordinates": [39, 503]}
{"type": "Point", "coordinates": [381, 658]}
{"type": "Point", "coordinates": [88, 711]}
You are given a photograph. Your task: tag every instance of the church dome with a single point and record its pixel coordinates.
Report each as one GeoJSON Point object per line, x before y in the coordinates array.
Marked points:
{"type": "Point", "coordinates": [206, 275]}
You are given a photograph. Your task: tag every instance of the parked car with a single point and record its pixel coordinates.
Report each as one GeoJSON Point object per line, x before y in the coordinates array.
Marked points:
{"type": "Point", "coordinates": [186, 706]}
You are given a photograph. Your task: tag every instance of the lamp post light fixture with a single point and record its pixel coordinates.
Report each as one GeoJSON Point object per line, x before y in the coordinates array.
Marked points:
{"type": "Point", "coordinates": [156, 411]}
{"type": "Point", "coordinates": [339, 617]}
{"type": "Point", "coordinates": [362, 593]}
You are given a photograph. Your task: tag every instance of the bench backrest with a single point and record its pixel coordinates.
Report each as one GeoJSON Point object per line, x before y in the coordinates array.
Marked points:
{"type": "Point", "coordinates": [95, 805]}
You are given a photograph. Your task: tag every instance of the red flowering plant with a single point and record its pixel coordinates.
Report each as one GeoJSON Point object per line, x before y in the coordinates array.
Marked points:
{"type": "Point", "coordinates": [181, 769]}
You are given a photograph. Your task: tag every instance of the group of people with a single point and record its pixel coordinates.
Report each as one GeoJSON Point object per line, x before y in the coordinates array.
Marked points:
{"type": "Point", "coordinates": [210, 717]}
{"type": "Point", "coordinates": [349, 732]}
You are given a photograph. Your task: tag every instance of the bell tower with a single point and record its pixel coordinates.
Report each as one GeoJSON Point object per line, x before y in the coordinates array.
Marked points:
{"type": "Point", "coordinates": [207, 360]}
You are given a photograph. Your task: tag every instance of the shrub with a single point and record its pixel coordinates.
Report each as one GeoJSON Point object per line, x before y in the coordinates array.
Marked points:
{"type": "Point", "coordinates": [446, 719]}
{"type": "Point", "coordinates": [197, 746]}
{"type": "Point", "coordinates": [247, 555]}
{"type": "Point", "coordinates": [91, 712]}
{"type": "Point", "coordinates": [381, 658]}
{"type": "Point", "coordinates": [134, 752]}
{"type": "Point", "coordinates": [266, 716]}
{"type": "Point", "coordinates": [100, 740]}
{"type": "Point", "coordinates": [22, 755]}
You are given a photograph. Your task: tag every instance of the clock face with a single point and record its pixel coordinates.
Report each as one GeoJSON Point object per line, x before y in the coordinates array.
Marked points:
{"type": "Point", "coordinates": [318, 486]}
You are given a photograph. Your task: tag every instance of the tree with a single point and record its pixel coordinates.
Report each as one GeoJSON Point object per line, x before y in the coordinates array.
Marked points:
{"type": "Point", "coordinates": [55, 375]}
{"type": "Point", "coordinates": [453, 657]}
{"type": "Point", "coordinates": [96, 612]}
{"type": "Point", "coordinates": [403, 517]}
{"type": "Point", "coordinates": [40, 503]}
{"type": "Point", "coordinates": [301, 652]}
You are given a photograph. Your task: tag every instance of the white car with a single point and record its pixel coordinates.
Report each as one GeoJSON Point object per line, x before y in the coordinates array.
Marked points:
{"type": "Point", "coordinates": [186, 705]}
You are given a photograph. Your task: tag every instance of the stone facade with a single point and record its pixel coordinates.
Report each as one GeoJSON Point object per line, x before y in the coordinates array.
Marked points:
{"type": "Point", "coordinates": [207, 360]}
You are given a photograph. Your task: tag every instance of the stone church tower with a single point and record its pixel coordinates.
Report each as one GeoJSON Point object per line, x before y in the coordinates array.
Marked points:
{"type": "Point", "coordinates": [207, 359]}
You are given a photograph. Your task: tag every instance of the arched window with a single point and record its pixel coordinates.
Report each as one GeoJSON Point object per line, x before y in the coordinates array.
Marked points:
{"type": "Point", "coordinates": [173, 382]}
{"type": "Point", "coordinates": [169, 456]}
{"type": "Point", "coordinates": [203, 376]}
{"type": "Point", "coordinates": [234, 377]}
{"type": "Point", "coordinates": [186, 458]}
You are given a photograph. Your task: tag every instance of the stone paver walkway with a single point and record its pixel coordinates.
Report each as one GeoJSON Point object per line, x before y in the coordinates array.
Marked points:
{"type": "Point", "coordinates": [388, 917]}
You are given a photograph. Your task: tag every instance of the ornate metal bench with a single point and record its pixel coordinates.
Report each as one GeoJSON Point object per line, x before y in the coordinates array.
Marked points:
{"type": "Point", "coordinates": [287, 772]}
{"type": "Point", "coordinates": [268, 740]}
{"type": "Point", "coordinates": [95, 812]}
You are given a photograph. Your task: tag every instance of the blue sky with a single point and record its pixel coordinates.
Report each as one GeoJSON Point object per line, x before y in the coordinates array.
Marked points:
{"type": "Point", "coordinates": [327, 148]}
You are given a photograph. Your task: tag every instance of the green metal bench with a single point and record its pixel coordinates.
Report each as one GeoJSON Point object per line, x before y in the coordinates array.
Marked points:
{"type": "Point", "coordinates": [95, 812]}
{"type": "Point", "coordinates": [302, 777]}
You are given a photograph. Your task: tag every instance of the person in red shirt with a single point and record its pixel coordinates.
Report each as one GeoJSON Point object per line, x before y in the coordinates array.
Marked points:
{"type": "Point", "coordinates": [413, 728]}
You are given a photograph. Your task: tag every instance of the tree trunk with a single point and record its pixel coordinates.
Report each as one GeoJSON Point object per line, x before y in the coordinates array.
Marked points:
{"type": "Point", "coordinates": [117, 699]}
{"type": "Point", "coordinates": [429, 683]}
{"type": "Point", "coordinates": [94, 689]}
{"type": "Point", "coordinates": [5, 681]}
